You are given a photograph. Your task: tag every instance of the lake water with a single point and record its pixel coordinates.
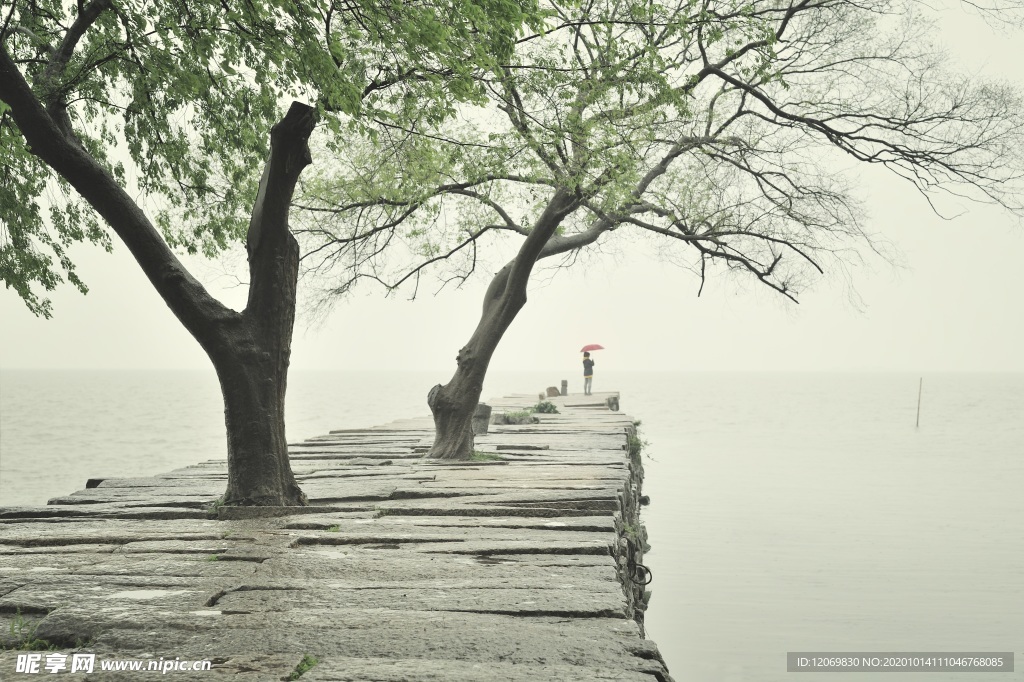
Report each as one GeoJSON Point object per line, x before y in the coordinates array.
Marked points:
{"type": "Point", "coordinates": [790, 512]}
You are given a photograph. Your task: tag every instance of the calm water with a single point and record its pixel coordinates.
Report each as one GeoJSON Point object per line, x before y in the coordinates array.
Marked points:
{"type": "Point", "coordinates": [790, 512]}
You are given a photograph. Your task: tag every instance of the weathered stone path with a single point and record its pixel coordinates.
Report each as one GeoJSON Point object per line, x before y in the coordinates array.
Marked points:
{"type": "Point", "coordinates": [514, 569]}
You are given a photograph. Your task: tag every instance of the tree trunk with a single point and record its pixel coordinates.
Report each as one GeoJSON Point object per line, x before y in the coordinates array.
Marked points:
{"type": "Point", "coordinates": [253, 352]}
{"type": "Point", "coordinates": [259, 472]}
{"type": "Point", "coordinates": [453, 404]}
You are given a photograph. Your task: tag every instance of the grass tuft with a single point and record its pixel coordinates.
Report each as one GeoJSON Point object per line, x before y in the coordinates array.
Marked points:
{"type": "Point", "coordinates": [305, 665]}
{"type": "Point", "coordinates": [636, 445]}
{"type": "Point", "coordinates": [23, 636]}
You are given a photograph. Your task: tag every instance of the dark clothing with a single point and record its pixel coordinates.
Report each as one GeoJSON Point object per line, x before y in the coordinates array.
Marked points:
{"type": "Point", "coordinates": [588, 367]}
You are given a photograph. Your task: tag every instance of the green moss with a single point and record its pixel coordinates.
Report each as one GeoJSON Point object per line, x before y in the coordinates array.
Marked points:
{"type": "Point", "coordinates": [213, 557]}
{"type": "Point", "coordinates": [305, 665]}
{"type": "Point", "coordinates": [334, 529]}
{"type": "Point", "coordinates": [481, 456]}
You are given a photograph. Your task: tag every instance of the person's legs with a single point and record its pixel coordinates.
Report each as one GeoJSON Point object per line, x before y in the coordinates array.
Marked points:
{"type": "Point", "coordinates": [586, 385]}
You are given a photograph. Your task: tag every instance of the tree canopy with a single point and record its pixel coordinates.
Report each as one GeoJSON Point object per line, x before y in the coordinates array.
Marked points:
{"type": "Point", "coordinates": [731, 128]}
{"type": "Point", "coordinates": [175, 98]}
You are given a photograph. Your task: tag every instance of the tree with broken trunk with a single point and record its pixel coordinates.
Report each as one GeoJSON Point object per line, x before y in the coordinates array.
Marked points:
{"type": "Point", "coordinates": [728, 129]}
{"type": "Point", "coordinates": [149, 118]}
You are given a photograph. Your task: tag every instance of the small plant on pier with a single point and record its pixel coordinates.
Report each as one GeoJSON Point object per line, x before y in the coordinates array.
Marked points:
{"type": "Point", "coordinates": [635, 445]}
{"type": "Point", "coordinates": [213, 511]}
{"type": "Point", "coordinates": [518, 417]}
{"type": "Point", "coordinates": [305, 665]}
{"type": "Point", "coordinates": [23, 636]}
{"type": "Point", "coordinates": [481, 456]}
{"type": "Point", "coordinates": [545, 407]}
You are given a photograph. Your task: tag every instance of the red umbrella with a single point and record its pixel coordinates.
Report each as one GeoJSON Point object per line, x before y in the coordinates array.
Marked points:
{"type": "Point", "coordinates": [591, 346]}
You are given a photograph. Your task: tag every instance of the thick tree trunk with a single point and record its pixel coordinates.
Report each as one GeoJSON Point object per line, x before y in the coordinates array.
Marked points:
{"type": "Point", "coordinates": [259, 472]}
{"type": "Point", "coordinates": [453, 404]}
{"type": "Point", "coordinates": [252, 353]}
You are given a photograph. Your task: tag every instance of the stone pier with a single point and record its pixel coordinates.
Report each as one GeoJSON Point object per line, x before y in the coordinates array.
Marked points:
{"type": "Point", "coordinates": [525, 564]}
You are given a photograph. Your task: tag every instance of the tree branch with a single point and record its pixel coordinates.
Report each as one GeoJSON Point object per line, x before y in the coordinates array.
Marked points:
{"type": "Point", "coordinates": [87, 16]}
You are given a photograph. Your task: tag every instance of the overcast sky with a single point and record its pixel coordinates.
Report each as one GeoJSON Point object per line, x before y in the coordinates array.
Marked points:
{"type": "Point", "coordinates": [955, 303]}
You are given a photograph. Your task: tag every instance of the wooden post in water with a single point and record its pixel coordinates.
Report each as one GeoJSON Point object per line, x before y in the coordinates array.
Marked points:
{"type": "Point", "coordinates": [920, 383]}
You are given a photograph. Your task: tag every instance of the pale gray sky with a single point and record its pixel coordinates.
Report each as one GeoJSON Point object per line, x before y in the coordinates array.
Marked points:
{"type": "Point", "coordinates": [955, 305]}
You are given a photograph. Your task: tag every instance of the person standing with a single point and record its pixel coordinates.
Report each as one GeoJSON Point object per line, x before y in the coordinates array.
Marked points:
{"type": "Point", "coordinates": [588, 373]}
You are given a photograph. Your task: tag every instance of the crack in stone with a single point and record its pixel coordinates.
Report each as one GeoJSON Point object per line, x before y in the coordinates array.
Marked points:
{"type": "Point", "coordinates": [26, 609]}
{"type": "Point", "coordinates": [366, 540]}
{"type": "Point", "coordinates": [101, 540]}
{"type": "Point", "coordinates": [521, 512]}
{"type": "Point", "coordinates": [552, 613]}
{"type": "Point", "coordinates": [202, 504]}
{"type": "Point", "coordinates": [212, 601]}
{"type": "Point", "coordinates": [585, 550]}
{"type": "Point", "coordinates": [576, 505]}
{"type": "Point", "coordinates": [439, 493]}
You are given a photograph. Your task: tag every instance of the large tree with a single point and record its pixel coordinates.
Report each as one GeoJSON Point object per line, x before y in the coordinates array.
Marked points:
{"type": "Point", "coordinates": [150, 117]}
{"type": "Point", "coordinates": [731, 129]}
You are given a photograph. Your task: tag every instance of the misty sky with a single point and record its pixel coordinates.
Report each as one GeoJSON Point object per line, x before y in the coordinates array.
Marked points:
{"type": "Point", "coordinates": [954, 303]}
